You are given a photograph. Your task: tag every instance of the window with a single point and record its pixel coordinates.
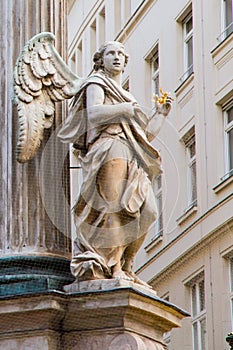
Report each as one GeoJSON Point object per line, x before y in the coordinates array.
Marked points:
{"type": "Point", "coordinates": [152, 73]}
{"type": "Point", "coordinates": [228, 129]}
{"type": "Point", "coordinates": [76, 60]}
{"type": "Point", "coordinates": [231, 287]}
{"type": "Point", "coordinates": [190, 145]}
{"type": "Point", "coordinates": [80, 59]}
{"type": "Point", "coordinates": [101, 28]}
{"type": "Point", "coordinates": [227, 26]}
{"type": "Point", "coordinates": [187, 25]}
{"type": "Point", "coordinates": [155, 71]}
{"type": "Point", "coordinates": [198, 314]}
{"type": "Point", "coordinates": [93, 38]}
{"type": "Point", "coordinates": [125, 11]}
{"type": "Point", "coordinates": [159, 201]}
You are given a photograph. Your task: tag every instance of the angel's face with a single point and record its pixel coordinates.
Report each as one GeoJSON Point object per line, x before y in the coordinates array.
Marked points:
{"type": "Point", "coordinates": [114, 58]}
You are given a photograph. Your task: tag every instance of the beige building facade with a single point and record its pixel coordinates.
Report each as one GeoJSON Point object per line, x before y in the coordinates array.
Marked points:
{"type": "Point", "coordinates": [185, 47]}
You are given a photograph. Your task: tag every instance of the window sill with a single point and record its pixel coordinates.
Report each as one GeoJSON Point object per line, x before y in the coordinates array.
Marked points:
{"type": "Point", "coordinates": [187, 214]}
{"type": "Point", "coordinates": [154, 242]}
{"type": "Point", "coordinates": [222, 44]}
{"type": "Point", "coordinates": [184, 84]}
{"type": "Point", "coordinates": [225, 181]}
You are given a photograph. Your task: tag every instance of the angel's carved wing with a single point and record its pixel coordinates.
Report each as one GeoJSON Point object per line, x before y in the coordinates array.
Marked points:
{"type": "Point", "coordinates": [41, 78]}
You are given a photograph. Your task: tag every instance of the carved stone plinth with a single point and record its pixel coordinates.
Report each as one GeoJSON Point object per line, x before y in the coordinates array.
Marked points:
{"type": "Point", "coordinates": [109, 314]}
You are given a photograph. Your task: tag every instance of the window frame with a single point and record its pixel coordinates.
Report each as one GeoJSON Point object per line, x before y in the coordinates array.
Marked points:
{"type": "Point", "coordinates": [76, 59]}
{"type": "Point", "coordinates": [228, 127]}
{"type": "Point", "coordinates": [231, 286]}
{"type": "Point", "coordinates": [187, 36]}
{"type": "Point", "coordinates": [191, 177]}
{"type": "Point", "coordinates": [191, 163]}
{"type": "Point", "coordinates": [226, 28]}
{"type": "Point", "coordinates": [155, 72]}
{"type": "Point", "coordinates": [101, 27]}
{"type": "Point", "coordinates": [151, 74]}
{"type": "Point", "coordinates": [200, 313]}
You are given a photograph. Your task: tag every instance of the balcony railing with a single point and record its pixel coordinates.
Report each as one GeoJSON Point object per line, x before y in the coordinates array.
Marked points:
{"type": "Point", "coordinates": [186, 74]}
{"type": "Point", "coordinates": [227, 175]}
{"type": "Point", "coordinates": [227, 31]}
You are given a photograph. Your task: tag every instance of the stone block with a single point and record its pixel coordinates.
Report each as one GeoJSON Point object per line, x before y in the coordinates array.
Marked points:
{"type": "Point", "coordinates": [105, 314]}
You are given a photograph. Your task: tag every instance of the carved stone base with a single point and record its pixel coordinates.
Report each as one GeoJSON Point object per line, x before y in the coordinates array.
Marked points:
{"type": "Point", "coordinates": [113, 315]}
{"type": "Point", "coordinates": [109, 340]}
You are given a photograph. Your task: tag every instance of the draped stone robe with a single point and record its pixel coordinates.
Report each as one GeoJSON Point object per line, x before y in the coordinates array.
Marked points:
{"type": "Point", "coordinates": [111, 151]}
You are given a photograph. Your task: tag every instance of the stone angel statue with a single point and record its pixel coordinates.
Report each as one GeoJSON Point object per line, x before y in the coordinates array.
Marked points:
{"type": "Point", "coordinates": [116, 206]}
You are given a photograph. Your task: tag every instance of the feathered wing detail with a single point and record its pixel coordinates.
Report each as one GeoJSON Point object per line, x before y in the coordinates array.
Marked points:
{"type": "Point", "coordinates": [41, 78]}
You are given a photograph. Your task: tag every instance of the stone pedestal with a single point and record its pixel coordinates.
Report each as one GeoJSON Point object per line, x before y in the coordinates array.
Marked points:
{"type": "Point", "coordinates": [106, 315]}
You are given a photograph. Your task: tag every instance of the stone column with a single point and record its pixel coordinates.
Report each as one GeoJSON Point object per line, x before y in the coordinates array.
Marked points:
{"type": "Point", "coordinates": [35, 243]}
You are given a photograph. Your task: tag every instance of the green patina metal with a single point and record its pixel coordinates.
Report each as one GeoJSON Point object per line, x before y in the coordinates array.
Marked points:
{"type": "Point", "coordinates": [229, 339]}
{"type": "Point", "coordinates": [25, 274]}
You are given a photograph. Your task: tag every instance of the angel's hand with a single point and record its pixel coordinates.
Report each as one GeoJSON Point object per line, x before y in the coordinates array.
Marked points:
{"type": "Point", "coordinates": [163, 104]}
{"type": "Point", "coordinates": [166, 107]}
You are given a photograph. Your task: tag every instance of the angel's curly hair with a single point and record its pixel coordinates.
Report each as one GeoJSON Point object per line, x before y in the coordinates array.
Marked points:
{"type": "Point", "coordinates": [98, 56]}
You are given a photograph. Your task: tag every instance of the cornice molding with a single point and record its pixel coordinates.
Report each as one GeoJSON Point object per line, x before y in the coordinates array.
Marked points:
{"type": "Point", "coordinates": [182, 259]}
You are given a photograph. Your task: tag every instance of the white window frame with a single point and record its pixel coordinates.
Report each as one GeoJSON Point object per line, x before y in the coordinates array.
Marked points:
{"type": "Point", "coordinates": [76, 59]}
{"type": "Point", "coordinates": [188, 68]}
{"type": "Point", "coordinates": [191, 178]}
{"type": "Point", "coordinates": [101, 27]}
{"type": "Point", "coordinates": [227, 28]}
{"type": "Point", "coordinates": [155, 72]}
{"type": "Point", "coordinates": [228, 127]}
{"type": "Point", "coordinates": [231, 286]}
{"type": "Point", "coordinates": [151, 73]}
{"type": "Point", "coordinates": [125, 11]}
{"type": "Point", "coordinates": [93, 39]}
{"type": "Point", "coordinates": [79, 59]}
{"type": "Point", "coordinates": [199, 315]}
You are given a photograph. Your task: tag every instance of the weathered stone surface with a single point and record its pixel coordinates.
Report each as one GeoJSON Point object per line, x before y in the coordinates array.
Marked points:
{"type": "Point", "coordinates": [25, 226]}
{"type": "Point", "coordinates": [111, 341]}
{"type": "Point", "coordinates": [45, 341]}
{"type": "Point", "coordinates": [106, 284]}
{"type": "Point", "coordinates": [121, 318]}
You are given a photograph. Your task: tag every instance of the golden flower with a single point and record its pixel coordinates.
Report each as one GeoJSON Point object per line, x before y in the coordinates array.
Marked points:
{"type": "Point", "coordinates": [162, 99]}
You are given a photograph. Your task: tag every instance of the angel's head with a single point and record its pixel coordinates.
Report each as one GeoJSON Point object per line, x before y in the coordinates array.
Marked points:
{"type": "Point", "coordinates": [111, 56]}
